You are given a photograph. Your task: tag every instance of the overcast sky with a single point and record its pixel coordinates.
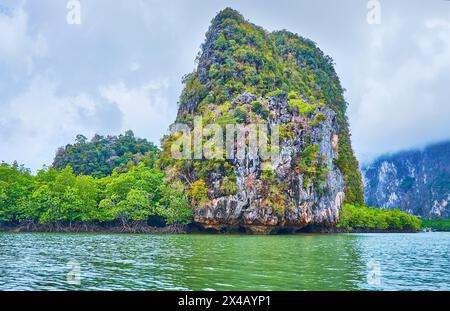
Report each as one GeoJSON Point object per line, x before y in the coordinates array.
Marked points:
{"type": "Point", "coordinates": [121, 68]}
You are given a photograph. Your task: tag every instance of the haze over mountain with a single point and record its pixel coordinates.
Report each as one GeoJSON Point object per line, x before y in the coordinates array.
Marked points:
{"type": "Point", "coordinates": [416, 181]}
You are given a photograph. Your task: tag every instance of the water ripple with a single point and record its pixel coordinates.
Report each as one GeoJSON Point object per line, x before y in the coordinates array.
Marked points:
{"type": "Point", "coordinates": [225, 262]}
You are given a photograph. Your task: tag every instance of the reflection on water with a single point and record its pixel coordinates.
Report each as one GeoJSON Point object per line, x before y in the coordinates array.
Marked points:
{"type": "Point", "coordinates": [225, 262]}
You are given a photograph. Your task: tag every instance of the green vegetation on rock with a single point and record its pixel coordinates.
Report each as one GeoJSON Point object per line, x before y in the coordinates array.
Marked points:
{"type": "Point", "coordinates": [311, 165]}
{"type": "Point", "coordinates": [198, 193]}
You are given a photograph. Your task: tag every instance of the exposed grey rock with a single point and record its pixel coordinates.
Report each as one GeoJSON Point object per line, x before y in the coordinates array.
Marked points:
{"type": "Point", "coordinates": [417, 182]}
{"type": "Point", "coordinates": [304, 206]}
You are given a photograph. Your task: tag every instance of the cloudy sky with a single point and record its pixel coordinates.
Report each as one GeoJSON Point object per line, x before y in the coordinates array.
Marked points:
{"type": "Point", "coordinates": [121, 68]}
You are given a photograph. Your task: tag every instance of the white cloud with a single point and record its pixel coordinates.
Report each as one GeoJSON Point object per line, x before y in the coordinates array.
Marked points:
{"type": "Point", "coordinates": [145, 109]}
{"type": "Point", "coordinates": [35, 122]}
{"type": "Point", "coordinates": [401, 104]}
{"type": "Point", "coordinates": [134, 66]}
{"type": "Point", "coordinates": [14, 32]}
{"type": "Point", "coordinates": [19, 48]}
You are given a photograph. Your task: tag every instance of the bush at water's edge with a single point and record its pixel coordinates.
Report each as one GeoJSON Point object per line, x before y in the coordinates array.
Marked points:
{"type": "Point", "coordinates": [436, 224]}
{"type": "Point", "coordinates": [357, 218]}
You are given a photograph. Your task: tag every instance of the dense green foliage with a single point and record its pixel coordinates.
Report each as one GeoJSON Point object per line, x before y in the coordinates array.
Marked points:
{"type": "Point", "coordinates": [437, 224]}
{"type": "Point", "coordinates": [366, 218]}
{"type": "Point", "coordinates": [101, 155]}
{"type": "Point", "coordinates": [239, 57]}
{"type": "Point", "coordinates": [16, 184]}
{"type": "Point", "coordinates": [58, 195]}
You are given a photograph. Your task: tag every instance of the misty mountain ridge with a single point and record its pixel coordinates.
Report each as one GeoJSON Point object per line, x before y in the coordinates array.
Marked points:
{"type": "Point", "coordinates": [416, 181]}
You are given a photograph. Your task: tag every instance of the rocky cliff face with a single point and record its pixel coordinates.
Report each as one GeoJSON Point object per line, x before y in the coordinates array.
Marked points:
{"type": "Point", "coordinates": [284, 199]}
{"type": "Point", "coordinates": [247, 76]}
{"type": "Point", "coordinates": [417, 182]}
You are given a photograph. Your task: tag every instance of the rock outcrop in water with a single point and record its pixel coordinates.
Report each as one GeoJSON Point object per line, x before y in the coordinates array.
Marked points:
{"type": "Point", "coordinates": [286, 200]}
{"type": "Point", "coordinates": [245, 76]}
{"type": "Point", "coordinates": [417, 182]}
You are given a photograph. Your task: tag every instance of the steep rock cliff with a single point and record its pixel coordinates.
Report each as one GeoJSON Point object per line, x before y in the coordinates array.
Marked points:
{"type": "Point", "coordinates": [417, 181]}
{"type": "Point", "coordinates": [278, 194]}
{"type": "Point", "coordinates": [246, 75]}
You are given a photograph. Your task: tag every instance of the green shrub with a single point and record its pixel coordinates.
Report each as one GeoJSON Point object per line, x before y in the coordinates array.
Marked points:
{"type": "Point", "coordinates": [268, 175]}
{"type": "Point", "coordinates": [285, 131]}
{"type": "Point", "coordinates": [313, 167]}
{"type": "Point", "coordinates": [276, 199]}
{"type": "Point", "coordinates": [292, 95]}
{"type": "Point", "coordinates": [258, 108]}
{"type": "Point", "coordinates": [318, 120]}
{"type": "Point", "coordinates": [437, 224]}
{"type": "Point", "coordinates": [226, 119]}
{"type": "Point", "coordinates": [275, 93]}
{"type": "Point", "coordinates": [368, 218]}
{"type": "Point", "coordinates": [199, 193]}
{"type": "Point", "coordinates": [240, 115]}
{"type": "Point", "coordinates": [303, 107]}
{"type": "Point", "coordinates": [229, 186]}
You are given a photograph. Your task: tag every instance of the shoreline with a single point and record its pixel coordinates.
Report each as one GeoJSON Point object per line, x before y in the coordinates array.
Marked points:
{"type": "Point", "coordinates": [140, 228]}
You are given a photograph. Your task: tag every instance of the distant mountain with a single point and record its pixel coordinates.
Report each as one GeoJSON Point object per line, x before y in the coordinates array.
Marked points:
{"type": "Point", "coordinates": [416, 181]}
